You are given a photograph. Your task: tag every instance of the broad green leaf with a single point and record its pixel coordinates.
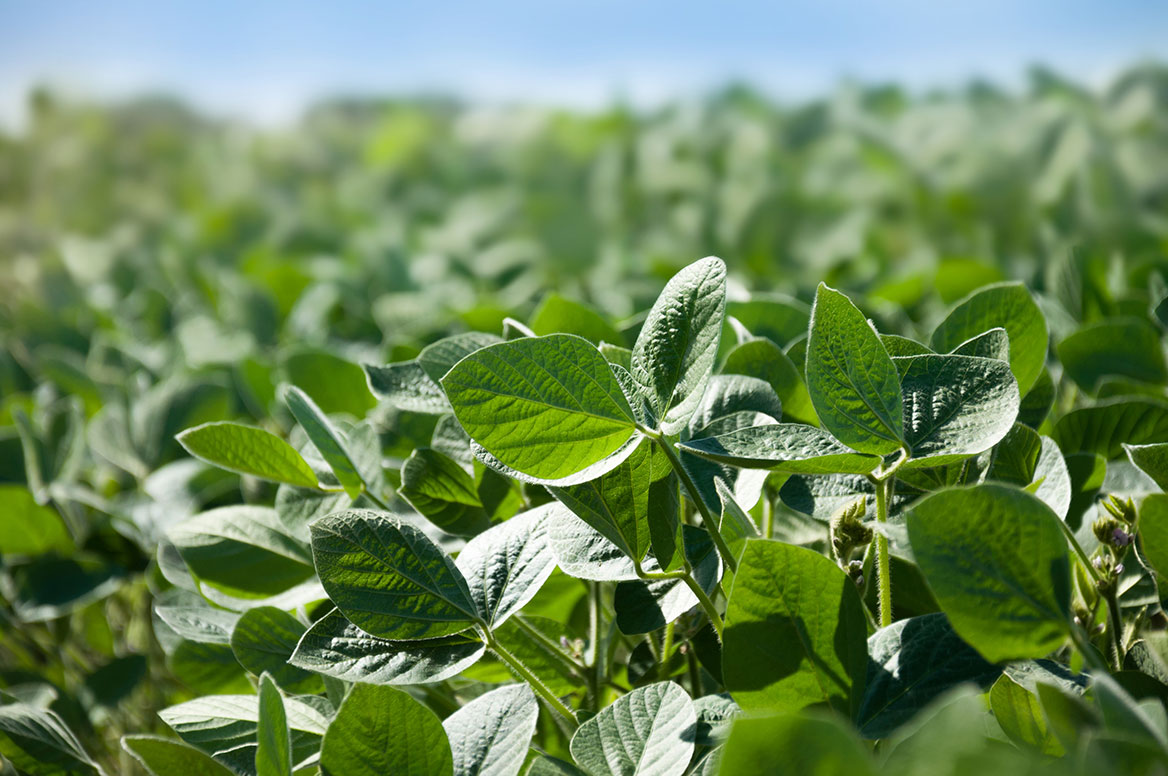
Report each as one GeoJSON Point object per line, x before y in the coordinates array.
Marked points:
{"type": "Point", "coordinates": [852, 381]}
{"type": "Point", "coordinates": [559, 314]}
{"type": "Point", "coordinates": [325, 437]}
{"type": "Point", "coordinates": [244, 551]}
{"type": "Point", "coordinates": [248, 450]}
{"type": "Point", "coordinates": [38, 742]}
{"type": "Point", "coordinates": [1153, 531]}
{"type": "Point", "coordinates": [900, 347]}
{"type": "Point", "coordinates": [1006, 305]}
{"type": "Point", "coordinates": [1037, 402]}
{"type": "Point", "coordinates": [1124, 347]}
{"type": "Point", "coordinates": [406, 386]}
{"type": "Point", "coordinates": [794, 745]}
{"type": "Point", "coordinates": [299, 507]}
{"type": "Point", "coordinates": [1105, 427]}
{"type": "Point", "coordinates": [674, 354]}
{"type": "Point", "coordinates": [956, 406]}
{"type": "Point", "coordinates": [627, 503]}
{"type": "Point", "coordinates": [645, 606]}
{"type": "Point", "coordinates": [792, 448]}
{"type": "Point", "coordinates": [792, 602]}
{"type": "Point", "coordinates": [207, 668]}
{"type": "Point", "coordinates": [604, 465]}
{"type": "Point", "coordinates": [273, 755]}
{"type": "Point", "coordinates": [912, 662]}
{"type": "Point", "coordinates": [1152, 460]}
{"type": "Point", "coordinates": [214, 723]}
{"type": "Point", "coordinates": [489, 736]}
{"type": "Point", "coordinates": [437, 358]}
{"type": "Point", "coordinates": [1035, 463]}
{"type": "Point", "coordinates": [1119, 711]}
{"type": "Point", "coordinates": [545, 406]}
{"type": "Point", "coordinates": [389, 578]}
{"type": "Point", "coordinates": [583, 552]}
{"type": "Point", "coordinates": [1019, 713]}
{"type": "Point", "coordinates": [647, 732]}
{"type": "Point", "coordinates": [335, 647]}
{"type": "Point", "coordinates": [444, 492]}
{"type": "Point", "coordinates": [337, 385]}
{"type": "Point", "coordinates": [994, 343]}
{"type": "Point", "coordinates": [507, 565]}
{"type": "Point", "coordinates": [382, 730]}
{"type": "Point", "coordinates": [203, 624]}
{"type": "Point", "coordinates": [729, 394]}
{"type": "Point", "coordinates": [264, 639]}
{"type": "Point", "coordinates": [29, 528]}
{"type": "Point", "coordinates": [996, 559]}
{"type": "Point", "coordinates": [765, 360]}
{"type": "Point", "coordinates": [167, 757]}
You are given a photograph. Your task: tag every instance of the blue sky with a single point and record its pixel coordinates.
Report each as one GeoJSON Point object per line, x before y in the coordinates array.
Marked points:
{"type": "Point", "coordinates": [264, 60]}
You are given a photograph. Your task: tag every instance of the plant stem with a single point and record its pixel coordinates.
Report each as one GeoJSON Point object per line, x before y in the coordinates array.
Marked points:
{"type": "Point", "coordinates": [528, 676]}
{"type": "Point", "coordinates": [686, 576]}
{"type": "Point", "coordinates": [883, 562]}
{"type": "Point", "coordinates": [1115, 625]}
{"type": "Point", "coordinates": [695, 671]}
{"type": "Point", "coordinates": [667, 643]}
{"type": "Point", "coordinates": [768, 515]}
{"type": "Point", "coordinates": [592, 657]}
{"type": "Point", "coordinates": [1078, 548]}
{"type": "Point", "coordinates": [1083, 644]}
{"type": "Point", "coordinates": [691, 488]}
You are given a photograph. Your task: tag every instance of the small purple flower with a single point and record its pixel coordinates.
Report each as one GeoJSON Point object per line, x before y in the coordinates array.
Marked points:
{"type": "Point", "coordinates": [1121, 538]}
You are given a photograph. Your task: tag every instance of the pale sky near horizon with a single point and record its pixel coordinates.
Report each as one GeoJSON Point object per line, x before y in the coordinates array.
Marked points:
{"type": "Point", "coordinates": [265, 60]}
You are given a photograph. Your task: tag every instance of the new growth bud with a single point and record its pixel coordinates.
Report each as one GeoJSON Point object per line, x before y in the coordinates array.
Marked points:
{"type": "Point", "coordinates": [1123, 510]}
{"type": "Point", "coordinates": [848, 531]}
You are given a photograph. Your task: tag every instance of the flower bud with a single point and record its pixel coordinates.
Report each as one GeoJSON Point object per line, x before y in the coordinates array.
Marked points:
{"type": "Point", "coordinates": [1123, 510]}
{"type": "Point", "coordinates": [848, 531]}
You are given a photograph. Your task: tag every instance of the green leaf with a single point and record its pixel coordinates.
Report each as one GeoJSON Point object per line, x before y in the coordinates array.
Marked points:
{"type": "Point", "coordinates": [1019, 713]}
{"type": "Point", "coordinates": [203, 623]}
{"type": "Point", "coordinates": [337, 385]}
{"type": "Point", "coordinates": [38, 742]}
{"type": "Point", "coordinates": [792, 448]}
{"type": "Point", "coordinates": [489, 736]}
{"type": "Point", "coordinates": [956, 406]}
{"type": "Point", "coordinates": [794, 745]}
{"type": "Point", "coordinates": [1006, 305]}
{"type": "Point", "coordinates": [214, 723]}
{"type": "Point", "coordinates": [1152, 460]}
{"type": "Point", "coordinates": [1105, 427]}
{"type": "Point", "coordinates": [381, 730]}
{"type": "Point", "coordinates": [674, 354]}
{"type": "Point", "coordinates": [437, 358]}
{"type": "Point", "coordinates": [912, 662]}
{"type": "Point", "coordinates": [389, 578]}
{"type": "Point", "coordinates": [545, 406]}
{"type": "Point", "coordinates": [765, 360]}
{"type": "Point", "coordinates": [241, 550]}
{"type": "Point", "coordinates": [1153, 531]}
{"type": "Point", "coordinates": [994, 343]}
{"type": "Point", "coordinates": [1118, 347]}
{"type": "Point", "coordinates": [559, 314]}
{"type": "Point", "coordinates": [507, 565]}
{"type": "Point", "coordinates": [273, 756]}
{"type": "Point", "coordinates": [1033, 462]}
{"type": "Point", "coordinates": [167, 757]}
{"type": "Point", "coordinates": [325, 437]}
{"type": "Point", "coordinates": [1037, 402]}
{"type": "Point", "coordinates": [852, 381]}
{"type": "Point", "coordinates": [406, 386]}
{"type": "Point", "coordinates": [647, 732]}
{"type": "Point", "coordinates": [440, 489]}
{"type": "Point", "coordinates": [996, 560]}
{"type": "Point", "coordinates": [623, 503]}
{"type": "Point", "coordinates": [335, 647]}
{"type": "Point", "coordinates": [248, 450]}
{"type": "Point", "coordinates": [264, 639]}
{"type": "Point", "coordinates": [795, 632]}
{"type": "Point", "coordinates": [780, 318]}
{"type": "Point", "coordinates": [583, 552]}
{"type": "Point", "coordinates": [29, 528]}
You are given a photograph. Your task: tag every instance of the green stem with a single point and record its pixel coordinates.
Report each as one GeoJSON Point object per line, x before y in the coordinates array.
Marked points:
{"type": "Point", "coordinates": [686, 576]}
{"type": "Point", "coordinates": [768, 516]}
{"type": "Point", "coordinates": [1115, 625]}
{"type": "Point", "coordinates": [691, 488]}
{"type": "Point", "coordinates": [592, 658]}
{"type": "Point", "coordinates": [667, 643]}
{"type": "Point", "coordinates": [883, 562]}
{"type": "Point", "coordinates": [528, 676]}
{"type": "Point", "coordinates": [1078, 548]}
{"type": "Point", "coordinates": [578, 670]}
{"type": "Point", "coordinates": [695, 671]}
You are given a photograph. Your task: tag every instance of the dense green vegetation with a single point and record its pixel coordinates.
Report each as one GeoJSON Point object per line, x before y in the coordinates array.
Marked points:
{"type": "Point", "coordinates": [415, 440]}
